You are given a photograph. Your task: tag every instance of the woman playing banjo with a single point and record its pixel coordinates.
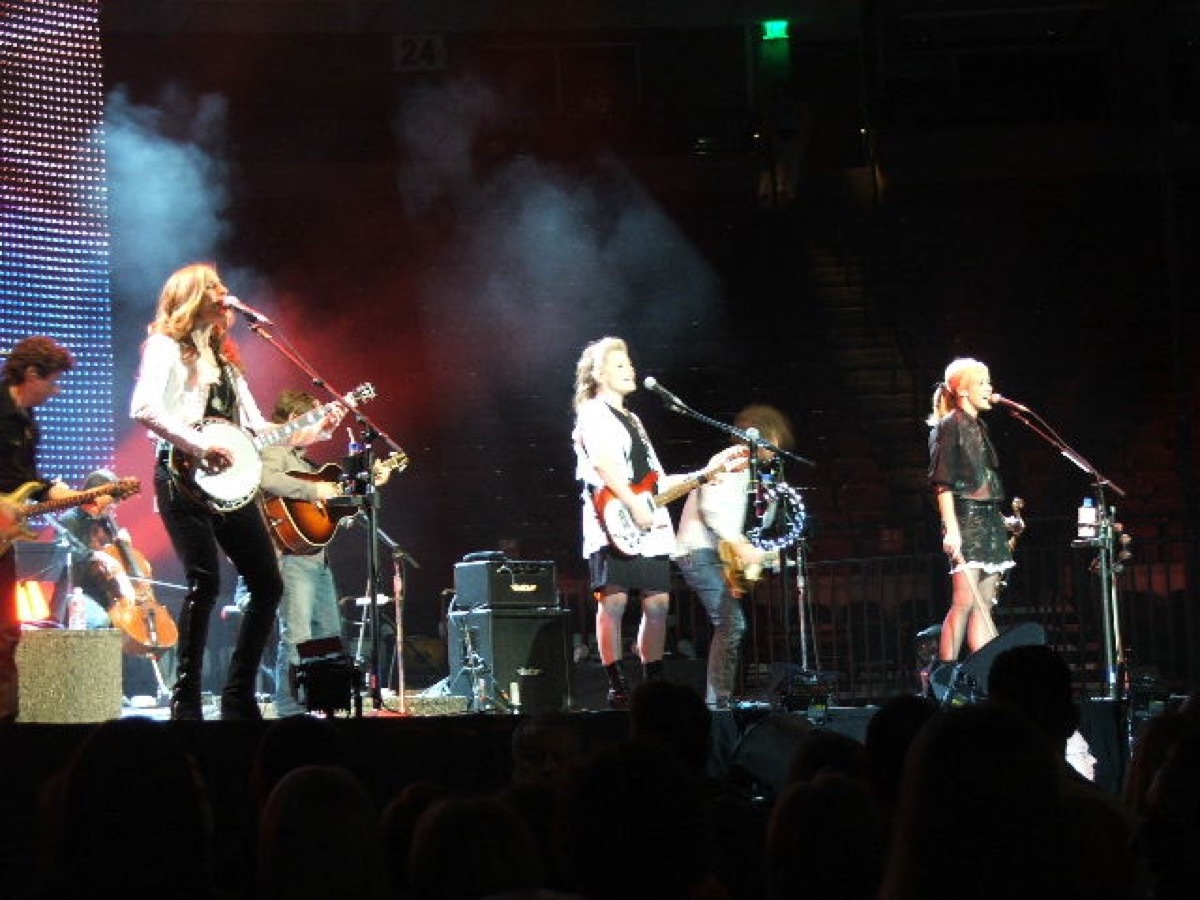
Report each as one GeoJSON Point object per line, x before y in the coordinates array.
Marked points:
{"type": "Point", "coordinates": [190, 373]}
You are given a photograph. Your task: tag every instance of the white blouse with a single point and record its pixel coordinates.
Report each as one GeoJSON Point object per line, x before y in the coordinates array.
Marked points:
{"type": "Point", "coordinates": [169, 397]}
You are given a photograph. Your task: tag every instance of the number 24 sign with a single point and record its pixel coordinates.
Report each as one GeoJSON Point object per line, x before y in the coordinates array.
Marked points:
{"type": "Point", "coordinates": [418, 53]}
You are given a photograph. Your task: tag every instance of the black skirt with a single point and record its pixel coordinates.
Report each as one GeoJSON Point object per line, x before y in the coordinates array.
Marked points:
{"type": "Point", "coordinates": [984, 537]}
{"type": "Point", "coordinates": [648, 574]}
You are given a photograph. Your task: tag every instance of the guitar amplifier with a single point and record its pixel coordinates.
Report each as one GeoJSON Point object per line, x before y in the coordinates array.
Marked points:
{"type": "Point", "coordinates": [505, 584]}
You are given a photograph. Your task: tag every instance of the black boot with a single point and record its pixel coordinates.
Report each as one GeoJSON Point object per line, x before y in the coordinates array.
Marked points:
{"type": "Point", "coordinates": [193, 633]}
{"type": "Point", "coordinates": [653, 671]}
{"type": "Point", "coordinates": [618, 687]}
{"type": "Point", "coordinates": [237, 697]}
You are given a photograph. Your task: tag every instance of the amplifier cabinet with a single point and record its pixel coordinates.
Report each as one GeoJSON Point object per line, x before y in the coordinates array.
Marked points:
{"type": "Point", "coordinates": [505, 584]}
{"type": "Point", "coordinates": [523, 655]}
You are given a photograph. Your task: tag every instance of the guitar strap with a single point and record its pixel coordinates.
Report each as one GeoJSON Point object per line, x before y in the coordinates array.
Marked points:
{"type": "Point", "coordinates": [640, 453]}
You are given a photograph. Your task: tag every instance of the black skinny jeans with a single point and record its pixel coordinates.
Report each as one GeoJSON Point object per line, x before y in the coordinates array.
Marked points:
{"type": "Point", "coordinates": [197, 533]}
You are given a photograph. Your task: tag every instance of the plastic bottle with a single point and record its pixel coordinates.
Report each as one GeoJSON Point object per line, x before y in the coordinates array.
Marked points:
{"type": "Point", "coordinates": [77, 611]}
{"type": "Point", "coordinates": [1086, 527]}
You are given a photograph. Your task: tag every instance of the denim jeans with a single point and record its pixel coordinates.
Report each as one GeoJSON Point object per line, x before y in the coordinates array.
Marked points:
{"type": "Point", "coordinates": [308, 610]}
{"type": "Point", "coordinates": [704, 574]}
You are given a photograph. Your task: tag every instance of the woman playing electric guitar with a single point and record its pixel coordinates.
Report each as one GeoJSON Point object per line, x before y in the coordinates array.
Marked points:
{"type": "Point", "coordinates": [613, 452]}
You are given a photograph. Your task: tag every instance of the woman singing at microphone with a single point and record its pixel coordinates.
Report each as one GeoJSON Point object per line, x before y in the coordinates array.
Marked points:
{"type": "Point", "coordinates": [964, 476]}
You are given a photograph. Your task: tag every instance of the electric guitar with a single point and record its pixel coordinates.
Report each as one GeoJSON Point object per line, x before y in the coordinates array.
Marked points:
{"type": "Point", "coordinates": [15, 510]}
{"type": "Point", "coordinates": [742, 578]}
{"type": "Point", "coordinates": [304, 527]}
{"type": "Point", "coordinates": [623, 533]}
{"type": "Point", "coordinates": [235, 486]}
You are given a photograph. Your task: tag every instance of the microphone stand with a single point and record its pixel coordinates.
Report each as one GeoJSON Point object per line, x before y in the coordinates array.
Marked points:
{"type": "Point", "coordinates": [399, 558]}
{"type": "Point", "coordinates": [1106, 543]}
{"type": "Point", "coordinates": [362, 481]}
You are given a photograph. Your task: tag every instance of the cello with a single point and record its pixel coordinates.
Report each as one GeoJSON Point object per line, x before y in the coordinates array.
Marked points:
{"type": "Point", "coordinates": [147, 625]}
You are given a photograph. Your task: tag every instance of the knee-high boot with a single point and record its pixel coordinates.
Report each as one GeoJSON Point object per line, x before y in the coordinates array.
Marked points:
{"type": "Point", "coordinates": [193, 635]}
{"type": "Point", "coordinates": [237, 697]}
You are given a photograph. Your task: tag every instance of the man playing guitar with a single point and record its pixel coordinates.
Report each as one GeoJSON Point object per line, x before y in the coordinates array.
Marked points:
{"type": "Point", "coordinates": [309, 608]}
{"type": "Point", "coordinates": [715, 518]}
{"type": "Point", "coordinates": [31, 373]}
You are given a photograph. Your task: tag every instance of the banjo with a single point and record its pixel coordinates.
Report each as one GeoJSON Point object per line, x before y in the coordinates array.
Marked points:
{"type": "Point", "coordinates": [234, 487]}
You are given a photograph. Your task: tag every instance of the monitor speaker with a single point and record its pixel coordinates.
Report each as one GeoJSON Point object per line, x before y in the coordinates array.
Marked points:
{"type": "Point", "coordinates": [969, 679]}
{"type": "Point", "coordinates": [510, 659]}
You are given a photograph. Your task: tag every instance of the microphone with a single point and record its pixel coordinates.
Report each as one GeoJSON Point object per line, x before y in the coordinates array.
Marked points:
{"type": "Point", "coordinates": [232, 302]}
{"type": "Point", "coordinates": [651, 384]}
{"type": "Point", "coordinates": [996, 398]}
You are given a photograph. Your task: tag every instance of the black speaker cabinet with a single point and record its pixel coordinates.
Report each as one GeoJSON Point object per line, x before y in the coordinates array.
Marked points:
{"type": "Point", "coordinates": [505, 583]}
{"type": "Point", "coordinates": [510, 659]}
{"type": "Point", "coordinates": [969, 679]}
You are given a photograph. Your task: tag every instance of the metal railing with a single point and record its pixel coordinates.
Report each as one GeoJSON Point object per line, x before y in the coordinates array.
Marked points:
{"type": "Point", "coordinates": [858, 620]}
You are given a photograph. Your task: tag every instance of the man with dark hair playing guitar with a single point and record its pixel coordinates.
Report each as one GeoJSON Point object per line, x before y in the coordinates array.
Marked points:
{"type": "Point", "coordinates": [31, 373]}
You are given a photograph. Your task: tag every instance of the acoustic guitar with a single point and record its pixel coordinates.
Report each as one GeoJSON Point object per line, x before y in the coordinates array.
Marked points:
{"type": "Point", "coordinates": [16, 510]}
{"type": "Point", "coordinates": [304, 527]}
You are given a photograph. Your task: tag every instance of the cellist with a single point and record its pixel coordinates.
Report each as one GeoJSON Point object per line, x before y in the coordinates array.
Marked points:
{"type": "Point", "coordinates": [98, 575]}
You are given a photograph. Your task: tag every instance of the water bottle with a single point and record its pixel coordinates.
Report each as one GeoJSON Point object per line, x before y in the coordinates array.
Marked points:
{"type": "Point", "coordinates": [77, 611]}
{"type": "Point", "coordinates": [1086, 523]}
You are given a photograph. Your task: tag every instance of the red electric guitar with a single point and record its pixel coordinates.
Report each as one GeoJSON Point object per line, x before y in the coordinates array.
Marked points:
{"type": "Point", "coordinates": [623, 533]}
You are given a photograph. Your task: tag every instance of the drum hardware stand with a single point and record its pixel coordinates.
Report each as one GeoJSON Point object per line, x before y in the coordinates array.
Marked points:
{"type": "Point", "coordinates": [1106, 565]}
{"type": "Point", "coordinates": [485, 695]}
{"type": "Point", "coordinates": [359, 481]}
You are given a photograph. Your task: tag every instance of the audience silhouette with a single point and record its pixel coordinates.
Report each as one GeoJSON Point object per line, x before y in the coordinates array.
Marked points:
{"type": "Point", "coordinates": [130, 798]}
{"type": "Point", "coordinates": [319, 837]}
{"type": "Point", "coordinates": [977, 799]}
{"type": "Point", "coordinates": [825, 840]}
{"type": "Point", "coordinates": [465, 847]}
{"type": "Point", "coordinates": [676, 717]}
{"type": "Point", "coordinates": [1035, 679]}
{"type": "Point", "coordinates": [980, 806]}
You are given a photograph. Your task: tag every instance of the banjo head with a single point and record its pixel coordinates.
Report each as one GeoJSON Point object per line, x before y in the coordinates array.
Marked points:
{"type": "Point", "coordinates": [237, 485]}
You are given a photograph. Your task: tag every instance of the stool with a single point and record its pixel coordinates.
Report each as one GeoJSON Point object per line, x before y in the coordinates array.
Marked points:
{"type": "Point", "coordinates": [69, 675]}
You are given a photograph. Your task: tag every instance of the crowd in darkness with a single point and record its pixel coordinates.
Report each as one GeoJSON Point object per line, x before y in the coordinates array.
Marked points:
{"type": "Point", "coordinates": [974, 800]}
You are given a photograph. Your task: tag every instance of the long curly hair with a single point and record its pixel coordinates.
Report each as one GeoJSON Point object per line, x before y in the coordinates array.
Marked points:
{"type": "Point", "coordinates": [180, 303]}
{"type": "Point", "coordinates": [591, 361]}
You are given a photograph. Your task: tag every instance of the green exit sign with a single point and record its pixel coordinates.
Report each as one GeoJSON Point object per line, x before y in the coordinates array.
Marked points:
{"type": "Point", "coordinates": [775, 30]}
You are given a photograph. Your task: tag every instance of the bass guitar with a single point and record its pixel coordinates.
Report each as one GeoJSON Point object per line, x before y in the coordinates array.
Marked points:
{"type": "Point", "coordinates": [235, 486]}
{"type": "Point", "coordinates": [16, 510]}
{"type": "Point", "coordinates": [304, 527]}
{"type": "Point", "coordinates": [624, 535]}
